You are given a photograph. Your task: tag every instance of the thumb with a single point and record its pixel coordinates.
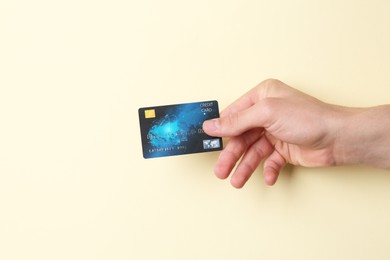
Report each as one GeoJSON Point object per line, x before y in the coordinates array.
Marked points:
{"type": "Point", "coordinates": [236, 123]}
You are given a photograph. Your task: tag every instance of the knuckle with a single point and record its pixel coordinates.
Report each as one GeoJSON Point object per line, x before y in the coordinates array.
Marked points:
{"type": "Point", "coordinates": [268, 107]}
{"type": "Point", "coordinates": [231, 155]}
{"type": "Point", "coordinates": [259, 151]}
{"type": "Point", "coordinates": [248, 168]}
{"type": "Point", "coordinates": [268, 87]}
{"type": "Point", "coordinates": [271, 82]}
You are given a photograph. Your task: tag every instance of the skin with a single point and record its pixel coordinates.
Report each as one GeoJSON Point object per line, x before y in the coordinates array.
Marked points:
{"type": "Point", "coordinates": [278, 124]}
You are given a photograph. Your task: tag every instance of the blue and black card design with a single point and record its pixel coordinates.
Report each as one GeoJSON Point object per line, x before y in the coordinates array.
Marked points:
{"type": "Point", "coordinates": [177, 129]}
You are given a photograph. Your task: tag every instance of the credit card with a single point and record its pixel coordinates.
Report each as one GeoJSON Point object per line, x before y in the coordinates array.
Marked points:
{"type": "Point", "coordinates": [177, 129]}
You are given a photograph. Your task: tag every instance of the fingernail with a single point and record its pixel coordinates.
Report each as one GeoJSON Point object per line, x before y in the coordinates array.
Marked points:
{"type": "Point", "coordinates": [212, 125]}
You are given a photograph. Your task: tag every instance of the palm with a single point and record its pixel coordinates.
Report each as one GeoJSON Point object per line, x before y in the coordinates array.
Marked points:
{"type": "Point", "coordinates": [308, 157]}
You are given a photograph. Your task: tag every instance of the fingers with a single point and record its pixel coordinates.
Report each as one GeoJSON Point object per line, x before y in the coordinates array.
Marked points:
{"type": "Point", "coordinates": [252, 147]}
{"type": "Point", "coordinates": [261, 114]}
{"type": "Point", "coordinates": [244, 102]}
{"type": "Point", "coordinates": [256, 147]}
{"type": "Point", "coordinates": [252, 158]}
{"type": "Point", "coordinates": [254, 109]}
{"type": "Point", "coordinates": [272, 167]}
{"type": "Point", "coordinates": [244, 121]}
{"type": "Point", "coordinates": [233, 152]}
{"type": "Point", "coordinates": [266, 89]}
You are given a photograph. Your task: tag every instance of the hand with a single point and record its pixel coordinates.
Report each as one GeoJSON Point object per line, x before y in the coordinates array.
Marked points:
{"type": "Point", "coordinates": [278, 124]}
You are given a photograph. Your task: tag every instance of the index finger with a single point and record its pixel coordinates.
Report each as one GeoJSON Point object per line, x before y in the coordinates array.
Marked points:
{"type": "Point", "coordinates": [244, 102]}
{"type": "Point", "coordinates": [267, 88]}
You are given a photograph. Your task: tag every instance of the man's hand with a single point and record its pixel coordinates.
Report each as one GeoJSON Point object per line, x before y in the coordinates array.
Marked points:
{"type": "Point", "coordinates": [278, 124]}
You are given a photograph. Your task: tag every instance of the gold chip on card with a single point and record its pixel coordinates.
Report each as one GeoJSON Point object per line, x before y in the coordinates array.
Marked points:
{"type": "Point", "coordinates": [151, 113]}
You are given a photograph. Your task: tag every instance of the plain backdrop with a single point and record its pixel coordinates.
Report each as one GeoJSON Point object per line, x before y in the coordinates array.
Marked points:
{"type": "Point", "coordinates": [73, 182]}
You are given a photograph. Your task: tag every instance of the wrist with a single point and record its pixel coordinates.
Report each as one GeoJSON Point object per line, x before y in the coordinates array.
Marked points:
{"type": "Point", "coordinates": [363, 136]}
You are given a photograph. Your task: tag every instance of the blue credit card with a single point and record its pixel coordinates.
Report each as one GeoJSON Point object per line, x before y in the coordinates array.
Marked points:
{"type": "Point", "coordinates": [177, 129]}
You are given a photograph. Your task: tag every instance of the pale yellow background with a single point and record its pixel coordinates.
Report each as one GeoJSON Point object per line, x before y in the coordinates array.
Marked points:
{"type": "Point", "coordinates": [73, 183]}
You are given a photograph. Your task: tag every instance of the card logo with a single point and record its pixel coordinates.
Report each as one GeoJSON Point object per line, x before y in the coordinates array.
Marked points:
{"type": "Point", "coordinates": [211, 143]}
